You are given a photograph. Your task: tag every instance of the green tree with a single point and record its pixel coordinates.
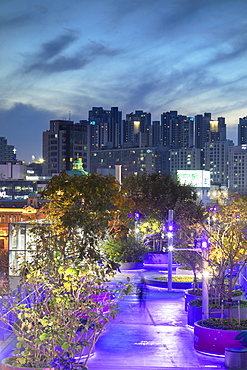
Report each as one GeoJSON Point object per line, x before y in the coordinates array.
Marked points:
{"type": "Point", "coordinates": [188, 215]}
{"type": "Point", "coordinates": [153, 195]}
{"type": "Point", "coordinates": [67, 307]}
{"type": "Point", "coordinates": [67, 275]}
{"type": "Point", "coordinates": [83, 207]}
{"type": "Point", "coordinates": [125, 250]}
{"type": "Point", "coordinates": [227, 233]}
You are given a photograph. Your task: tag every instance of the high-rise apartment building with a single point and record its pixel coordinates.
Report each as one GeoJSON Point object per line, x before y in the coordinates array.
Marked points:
{"type": "Point", "coordinates": [137, 129]}
{"type": "Point", "coordinates": [62, 144]}
{"type": "Point", "coordinates": [184, 159]}
{"type": "Point", "coordinates": [208, 130]}
{"type": "Point", "coordinates": [238, 169]}
{"type": "Point", "coordinates": [133, 160]}
{"type": "Point", "coordinates": [7, 152]}
{"type": "Point", "coordinates": [216, 156]}
{"type": "Point", "coordinates": [242, 131]}
{"type": "Point", "coordinates": [217, 130]}
{"type": "Point", "coordinates": [202, 129]}
{"type": "Point", "coordinates": [176, 130]}
{"type": "Point", "coordinates": [105, 127]}
{"type": "Point", "coordinates": [156, 133]}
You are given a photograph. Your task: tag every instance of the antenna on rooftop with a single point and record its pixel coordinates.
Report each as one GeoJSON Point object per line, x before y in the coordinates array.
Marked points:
{"type": "Point", "coordinates": [69, 114]}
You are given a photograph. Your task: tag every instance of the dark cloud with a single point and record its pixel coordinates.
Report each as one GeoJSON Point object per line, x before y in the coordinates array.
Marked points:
{"type": "Point", "coordinates": [235, 47]}
{"type": "Point", "coordinates": [22, 125]}
{"type": "Point", "coordinates": [20, 20]}
{"type": "Point", "coordinates": [54, 47]}
{"type": "Point", "coordinates": [51, 60]}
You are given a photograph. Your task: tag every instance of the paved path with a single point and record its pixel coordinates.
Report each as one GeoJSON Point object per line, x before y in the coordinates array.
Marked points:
{"type": "Point", "coordinates": [153, 338]}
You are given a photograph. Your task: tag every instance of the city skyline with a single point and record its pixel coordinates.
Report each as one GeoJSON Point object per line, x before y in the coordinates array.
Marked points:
{"type": "Point", "coordinates": [61, 58]}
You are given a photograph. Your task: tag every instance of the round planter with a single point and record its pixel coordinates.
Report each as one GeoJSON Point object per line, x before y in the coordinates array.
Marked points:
{"type": "Point", "coordinates": [189, 297]}
{"type": "Point", "coordinates": [164, 284]}
{"type": "Point", "coordinates": [6, 366]}
{"type": "Point", "coordinates": [195, 313]}
{"type": "Point", "coordinates": [130, 265]}
{"type": "Point", "coordinates": [181, 271]}
{"type": "Point", "coordinates": [214, 341]}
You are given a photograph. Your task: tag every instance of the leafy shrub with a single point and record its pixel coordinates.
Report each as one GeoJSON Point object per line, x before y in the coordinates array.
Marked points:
{"type": "Point", "coordinates": [128, 250]}
{"type": "Point", "coordinates": [198, 303]}
{"type": "Point", "coordinates": [235, 293]}
{"type": "Point", "coordinates": [215, 323]}
{"type": "Point", "coordinates": [182, 279]}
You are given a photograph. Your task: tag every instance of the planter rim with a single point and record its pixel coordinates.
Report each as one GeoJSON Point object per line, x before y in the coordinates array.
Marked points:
{"type": "Point", "coordinates": [217, 329]}
{"type": "Point", "coordinates": [189, 303]}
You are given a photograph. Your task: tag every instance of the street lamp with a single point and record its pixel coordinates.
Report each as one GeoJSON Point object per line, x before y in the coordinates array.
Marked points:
{"type": "Point", "coordinates": [204, 249]}
{"type": "Point", "coordinates": [137, 217]}
{"type": "Point", "coordinates": [170, 229]}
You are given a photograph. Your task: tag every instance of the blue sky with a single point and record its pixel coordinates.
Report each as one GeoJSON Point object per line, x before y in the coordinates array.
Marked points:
{"type": "Point", "coordinates": [64, 56]}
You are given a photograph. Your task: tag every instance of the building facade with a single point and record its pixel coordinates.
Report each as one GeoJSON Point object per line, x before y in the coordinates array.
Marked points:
{"type": "Point", "coordinates": [184, 159]}
{"type": "Point", "coordinates": [238, 169]}
{"type": "Point", "coordinates": [18, 190]}
{"type": "Point", "coordinates": [137, 130]}
{"type": "Point", "coordinates": [177, 131]}
{"type": "Point", "coordinates": [242, 131]}
{"type": "Point", "coordinates": [105, 127]}
{"type": "Point", "coordinates": [14, 211]}
{"type": "Point", "coordinates": [216, 161]}
{"type": "Point", "coordinates": [133, 160]}
{"type": "Point", "coordinates": [62, 143]}
{"type": "Point", "coordinates": [7, 152]}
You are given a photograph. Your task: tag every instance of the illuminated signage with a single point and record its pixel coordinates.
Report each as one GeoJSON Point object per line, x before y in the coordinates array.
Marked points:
{"type": "Point", "coordinates": [195, 178]}
{"type": "Point", "coordinates": [3, 194]}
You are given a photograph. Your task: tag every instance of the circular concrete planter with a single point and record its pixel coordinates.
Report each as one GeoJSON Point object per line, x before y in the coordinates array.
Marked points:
{"type": "Point", "coordinates": [214, 341]}
{"type": "Point", "coordinates": [130, 265]}
{"type": "Point", "coordinates": [181, 271]}
{"type": "Point", "coordinates": [195, 313]}
{"type": "Point", "coordinates": [164, 284]}
{"type": "Point", "coordinates": [189, 297]}
{"type": "Point", "coordinates": [6, 366]}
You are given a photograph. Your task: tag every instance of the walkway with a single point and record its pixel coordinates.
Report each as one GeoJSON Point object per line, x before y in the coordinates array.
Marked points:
{"type": "Point", "coordinates": [153, 338]}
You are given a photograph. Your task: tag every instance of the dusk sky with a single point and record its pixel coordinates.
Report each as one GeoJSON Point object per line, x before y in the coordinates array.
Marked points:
{"type": "Point", "coordinates": [62, 56]}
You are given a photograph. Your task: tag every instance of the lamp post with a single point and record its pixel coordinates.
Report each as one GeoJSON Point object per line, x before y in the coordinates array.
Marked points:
{"type": "Point", "coordinates": [137, 217]}
{"type": "Point", "coordinates": [170, 248]}
{"type": "Point", "coordinates": [204, 249]}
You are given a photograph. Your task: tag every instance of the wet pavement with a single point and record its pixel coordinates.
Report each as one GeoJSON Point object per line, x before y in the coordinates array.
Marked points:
{"type": "Point", "coordinates": [154, 337]}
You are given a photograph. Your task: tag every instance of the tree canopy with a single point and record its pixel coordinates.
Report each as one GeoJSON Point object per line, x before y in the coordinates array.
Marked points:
{"type": "Point", "coordinates": [152, 196]}
{"type": "Point", "coordinates": [155, 194]}
{"type": "Point", "coordinates": [82, 208]}
{"type": "Point", "coordinates": [227, 233]}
